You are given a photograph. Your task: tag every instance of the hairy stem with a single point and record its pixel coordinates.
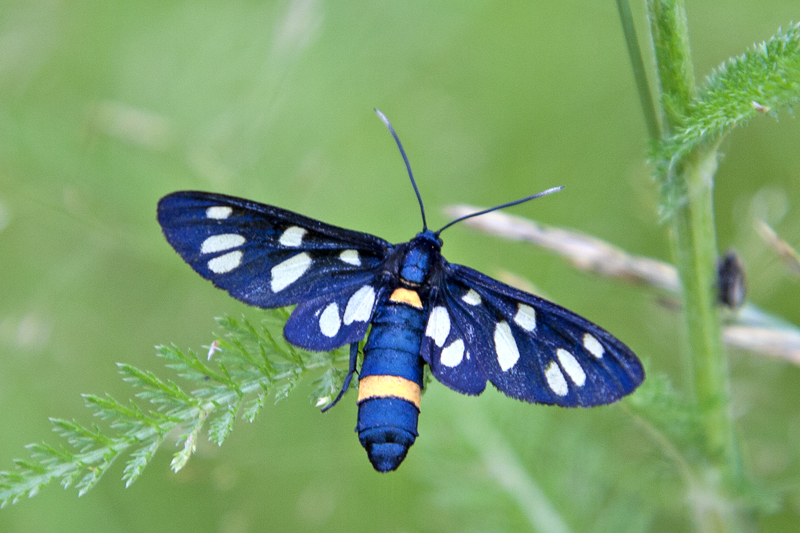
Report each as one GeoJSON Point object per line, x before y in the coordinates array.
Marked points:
{"type": "Point", "coordinates": [696, 250]}
{"type": "Point", "coordinates": [670, 32]}
{"type": "Point", "coordinates": [691, 178]}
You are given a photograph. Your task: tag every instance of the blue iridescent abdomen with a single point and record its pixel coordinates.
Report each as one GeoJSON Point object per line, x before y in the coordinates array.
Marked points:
{"type": "Point", "coordinates": [390, 384]}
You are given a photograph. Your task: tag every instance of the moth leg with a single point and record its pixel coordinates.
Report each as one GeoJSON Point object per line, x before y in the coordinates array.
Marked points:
{"type": "Point", "coordinates": [349, 378]}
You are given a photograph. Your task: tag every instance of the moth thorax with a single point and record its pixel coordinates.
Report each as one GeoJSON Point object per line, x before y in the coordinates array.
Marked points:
{"type": "Point", "coordinates": [417, 263]}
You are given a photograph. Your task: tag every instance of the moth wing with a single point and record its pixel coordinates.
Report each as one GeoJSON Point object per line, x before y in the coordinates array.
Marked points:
{"type": "Point", "coordinates": [335, 319]}
{"type": "Point", "coordinates": [263, 255]}
{"type": "Point", "coordinates": [529, 348]}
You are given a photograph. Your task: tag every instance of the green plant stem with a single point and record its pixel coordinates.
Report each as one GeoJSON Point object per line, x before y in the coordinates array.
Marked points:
{"type": "Point", "coordinates": [696, 258]}
{"type": "Point", "coordinates": [639, 71]}
{"type": "Point", "coordinates": [696, 246]}
{"type": "Point", "coordinates": [670, 32]}
{"type": "Point", "coordinates": [691, 177]}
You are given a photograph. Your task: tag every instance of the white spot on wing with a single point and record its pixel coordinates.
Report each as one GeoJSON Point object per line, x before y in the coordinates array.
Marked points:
{"type": "Point", "coordinates": [452, 354]}
{"type": "Point", "coordinates": [438, 325]}
{"type": "Point", "coordinates": [555, 379]}
{"type": "Point", "coordinates": [472, 298]}
{"type": "Point", "coordinates": [525, 317]}
{"type": "Point", "coordinates": [218, 212]}
{"type": "Point", "coordinates": [593, 345]}
{"type": "Point", "coordinates": [505, 346]}
{"type": "Point", "coordinates": [289, 271]}
{"type": "Point", "coordinates": [225, 263]}
{"type": "Point", "coordinates": [350, 257]}
{"type": "Point", "coordinates": [329, 322]}
{"type": "Point", "coordinates": [293, 236]}
{"type": "Point", "coordinates": [217, 243]}
{"type": "Point", "coordinates": [359, 306]}
{"type": "Point", "coordinates": [572, 366]}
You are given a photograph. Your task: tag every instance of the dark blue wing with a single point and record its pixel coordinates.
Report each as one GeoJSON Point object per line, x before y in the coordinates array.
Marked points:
{"type": "Point", "coordinates": [263, 255]}
{"type": "Point", "coordinates": [333, 320]}
{"type": "Point", "coordinates": [270, 257]}
{"type": "Point", "coordinates": [480, 329]}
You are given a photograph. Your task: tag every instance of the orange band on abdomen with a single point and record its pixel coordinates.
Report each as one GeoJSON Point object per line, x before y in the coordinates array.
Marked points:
{"type": "Point", "coordinates": [389, 386]}
{"type": "Point", "coordinates": [406, 296]}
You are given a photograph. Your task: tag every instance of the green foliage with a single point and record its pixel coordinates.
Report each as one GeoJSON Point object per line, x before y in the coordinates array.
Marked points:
{"type": "Point", "coordinates": [685, 160]}
{"type": "Point", "coordinates": [760, 81]}
{"type": "Point", "coordinates": [246, 364]}
{"type": "Point", "coordinates": [670, 32]}
{"type": "Point", "coordinates": [676, 420]}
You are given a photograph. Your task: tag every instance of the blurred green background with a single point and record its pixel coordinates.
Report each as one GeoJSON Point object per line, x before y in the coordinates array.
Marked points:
{"type": "Point", "coordinates": [107, 106]}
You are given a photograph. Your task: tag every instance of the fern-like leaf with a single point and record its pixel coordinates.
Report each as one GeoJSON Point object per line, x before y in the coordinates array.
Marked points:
{"type": "Point", "coordinates": [139, 459]}
{"type": "Point", "coordinates": [250, 362]}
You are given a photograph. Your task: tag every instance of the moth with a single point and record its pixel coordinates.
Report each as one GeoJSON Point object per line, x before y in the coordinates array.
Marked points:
{"type": "Point", "coordinates": [416, 308]}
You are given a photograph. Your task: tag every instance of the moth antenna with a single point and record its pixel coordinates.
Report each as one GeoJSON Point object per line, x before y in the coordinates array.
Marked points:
{"type": "Point", "coordinates": [408, 165]}
{"type": "Point", "coordinates": [502, 206]}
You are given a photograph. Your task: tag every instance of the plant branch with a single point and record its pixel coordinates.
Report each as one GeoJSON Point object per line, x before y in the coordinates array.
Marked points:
{"type": "Point", "coordinates": [250, 364]}
{"type": "Point", "coordinates": [670, 33]}
{"type": "Point", "coordinates": [639, 71]}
